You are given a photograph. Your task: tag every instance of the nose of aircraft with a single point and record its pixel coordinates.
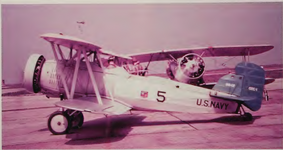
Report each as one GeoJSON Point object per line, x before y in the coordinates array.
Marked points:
{"type": "Point", "coordinates": [190, 66]}
{"type": "Point", "coordinates": [32, 72]}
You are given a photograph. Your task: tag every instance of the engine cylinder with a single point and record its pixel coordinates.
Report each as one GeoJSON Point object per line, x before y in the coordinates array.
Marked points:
{"type": "Point", "coordinates": [192, 65]}
{"type": "Point", "coordinates": [32, 72]}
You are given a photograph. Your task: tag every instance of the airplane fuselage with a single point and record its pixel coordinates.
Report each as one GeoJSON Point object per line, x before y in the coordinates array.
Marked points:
{"type": "Point", "coordinates": [141, 93]}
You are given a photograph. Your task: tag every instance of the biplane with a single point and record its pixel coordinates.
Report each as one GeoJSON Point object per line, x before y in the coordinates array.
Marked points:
{"type": "Point", "coordinates": [87, 78]}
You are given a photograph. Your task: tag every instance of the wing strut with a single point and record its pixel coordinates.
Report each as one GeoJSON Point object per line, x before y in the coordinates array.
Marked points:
{"type": "Point", "coordinates": [60, 51]}
{"type": "Point", "coordinates": [71, 52]}
{"type": "Point", "coordinates": [61, 74]}
{"type": "Point", "coordinates": [54, 51]}
{"type": "Point", "coordinates": [173, 57]}
{"type": "Point", "coordinates": [148, 62]}
{"type": "Point", "coordinates": [92, 78]}
{"type": "Point", "coordinates": [75, 77]}
{"type": "Point", "coordinates": [63, 80]}
{"type": "Point", "coordinates": [246, 58]}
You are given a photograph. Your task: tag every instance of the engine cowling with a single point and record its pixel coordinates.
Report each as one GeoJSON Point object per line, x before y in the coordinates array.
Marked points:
{"type": "Point", "coordinates": [192, 65]}
{"type": "Point", "coordinates": [189, 69]}
{"type": "Point", "coordinates": [32, 72]}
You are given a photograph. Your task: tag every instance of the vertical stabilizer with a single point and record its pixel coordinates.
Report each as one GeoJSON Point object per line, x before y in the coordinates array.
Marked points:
{"type": "Point", "coordinates": [247, 84]}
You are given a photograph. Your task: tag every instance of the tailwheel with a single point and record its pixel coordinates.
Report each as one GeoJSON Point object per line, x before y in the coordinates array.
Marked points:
{"type": "Point", "coordinates": [246, 116]}
{"type": "Point", "coordinates": [59, 122]}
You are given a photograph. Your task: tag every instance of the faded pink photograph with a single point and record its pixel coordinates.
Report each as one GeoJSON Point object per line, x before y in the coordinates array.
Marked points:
{"type": "Point", "coordinates": [142, 76]}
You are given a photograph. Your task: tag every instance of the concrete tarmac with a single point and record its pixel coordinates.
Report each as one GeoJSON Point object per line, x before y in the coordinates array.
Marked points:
{"type": "Point", "coordinates": [24, 126]}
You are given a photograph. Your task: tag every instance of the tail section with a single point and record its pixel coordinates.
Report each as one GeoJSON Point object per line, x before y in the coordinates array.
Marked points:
{"type": "Point", "coordinates": [247, 85]}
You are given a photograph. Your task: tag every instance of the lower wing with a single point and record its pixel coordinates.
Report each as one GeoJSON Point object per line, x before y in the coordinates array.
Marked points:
{"type": "Point", "coordinates": [109, 108]}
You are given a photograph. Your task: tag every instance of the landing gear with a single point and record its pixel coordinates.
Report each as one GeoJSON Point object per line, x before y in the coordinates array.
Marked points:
{"type": "Point", "coordinates": [60, 122]}
{"type": "Point", "coordinates": [77, 119]}
{"type": "Point", "coordinates": [266, 95]}
{"type": "Point", "coordinates": [246, 116]}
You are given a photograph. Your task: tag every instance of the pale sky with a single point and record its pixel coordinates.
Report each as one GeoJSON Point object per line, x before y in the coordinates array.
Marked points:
{"type": "Point", "coordinates": [133, 28]}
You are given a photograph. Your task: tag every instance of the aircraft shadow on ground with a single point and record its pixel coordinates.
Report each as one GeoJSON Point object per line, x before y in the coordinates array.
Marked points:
{"type": "Point", "coordinates": [95, 131]}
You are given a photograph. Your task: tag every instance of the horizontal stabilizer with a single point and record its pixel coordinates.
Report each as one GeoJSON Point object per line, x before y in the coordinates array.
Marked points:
{"type": "Point", "coordinates": [210, 85]}
{"type": "Point", "coordinates": [269, 80]}
{"type": "Point", "coordinates": [233, 97]}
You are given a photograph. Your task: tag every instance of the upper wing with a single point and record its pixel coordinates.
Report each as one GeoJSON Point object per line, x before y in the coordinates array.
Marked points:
{"type": "Point", "coordinates": [76, 43]}
{"type": "Point", "coordinates": [69, 41]}
{"type": "Point", "coordinates": [203, 51]}
{"type": "Point", "coordinates": [110, 108]}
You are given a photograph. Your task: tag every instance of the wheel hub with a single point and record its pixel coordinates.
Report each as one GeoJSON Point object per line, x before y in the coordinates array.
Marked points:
{"type": "Point", "coordinates": [59, 123]}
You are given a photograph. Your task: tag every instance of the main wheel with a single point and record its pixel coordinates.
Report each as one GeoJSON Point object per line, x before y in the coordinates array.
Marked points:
{"type": "Point", "coordinates": [78, 119]}
{"type": "Point", "coordinates": [59, 123]}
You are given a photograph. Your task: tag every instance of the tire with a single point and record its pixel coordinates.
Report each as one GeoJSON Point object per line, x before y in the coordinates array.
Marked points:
{"type": "Point", "coordinates": [248, 117]}
{"type": "Point", "coordinates": [77, 119]}
{"type": "Point", "coordinates": [59, 123]}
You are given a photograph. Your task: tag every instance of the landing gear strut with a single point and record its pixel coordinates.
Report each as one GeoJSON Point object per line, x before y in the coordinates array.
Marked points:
{"type": "Point", "coordinates": [246, 116]}
{"type": "Point", "coordinates": [60, 122]}
{"type": "Point", "coordinates": [77, 118]}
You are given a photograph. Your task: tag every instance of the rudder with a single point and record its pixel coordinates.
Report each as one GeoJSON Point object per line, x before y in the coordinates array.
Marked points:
{"type": "Point", "coordinates": [253, 83]}
{"type": "Point", "coordinates": [247, 83]}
